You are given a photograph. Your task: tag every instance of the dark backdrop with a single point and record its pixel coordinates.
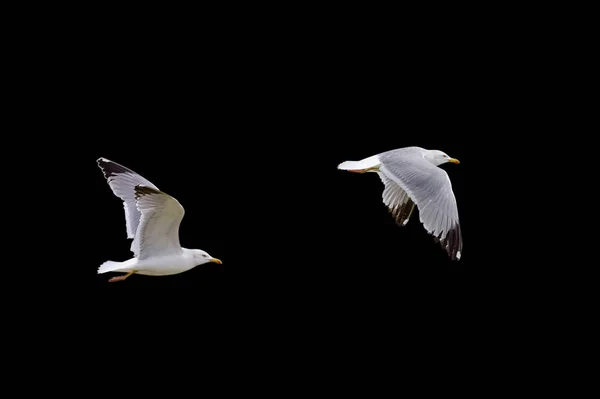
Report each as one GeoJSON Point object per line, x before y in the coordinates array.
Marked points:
{"type": "Point", "coordinates": [262, 192]}
{"type": "Point", "coordinates": [247, 137]}
{"type": "Point", "coordinates": [244, 122]}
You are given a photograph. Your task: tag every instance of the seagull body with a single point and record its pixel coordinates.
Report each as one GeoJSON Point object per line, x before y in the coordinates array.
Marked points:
{"type": "Point", "coordinates": [156, 266]}
{"type": "Point", "coordinates": [152, 220]}
{"type": "Point", "coordinates": [411, 176]}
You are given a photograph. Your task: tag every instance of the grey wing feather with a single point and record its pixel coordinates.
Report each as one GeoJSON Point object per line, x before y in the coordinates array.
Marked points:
{"type": "Point", "coordinates": [429, 187]}
{"type": "Point", "coordinates": [122, 182]}
{"type": "Point", "coordinates": [158, 231]}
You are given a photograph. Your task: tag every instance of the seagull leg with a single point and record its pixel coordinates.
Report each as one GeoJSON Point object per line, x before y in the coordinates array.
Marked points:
{"type": "Point", "coordinates": [122, 277]}
{"type": "Point", "coordinates": [376, 168]}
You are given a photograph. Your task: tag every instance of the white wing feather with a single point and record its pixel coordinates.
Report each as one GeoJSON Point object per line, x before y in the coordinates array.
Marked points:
{"type": "Point", "coordinates": [158, 231]}
{"type": "Point", "coordinates": [429, 187]}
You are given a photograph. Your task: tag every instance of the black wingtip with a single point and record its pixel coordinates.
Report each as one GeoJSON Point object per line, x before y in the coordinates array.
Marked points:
{"type": "Point", "coordinates": [103, 161]}
{"type": "Point", "coordinates": [452, 243]}
{"type": "Point", "coordinates": [110, 168]}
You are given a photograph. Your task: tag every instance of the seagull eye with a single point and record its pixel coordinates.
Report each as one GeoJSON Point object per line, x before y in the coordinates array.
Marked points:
{"type": "Point", "coordinates": [204, 256]}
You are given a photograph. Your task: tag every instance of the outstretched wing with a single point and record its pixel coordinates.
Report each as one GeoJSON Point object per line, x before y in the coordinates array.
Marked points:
{"type": "Point", "coordinates": [430, 189]}
{"type": "Point", "coordinates": [122, 181]}
{"type": "Point", "coordinates": [158, 230]}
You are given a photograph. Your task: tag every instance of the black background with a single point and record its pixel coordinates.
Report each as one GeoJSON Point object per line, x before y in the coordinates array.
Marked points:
{"type": "Point", "coordinates": [246, 131]}
{"type": "Point", "coordinates": [243, 116]}
{"type": "Point", "coordinates": [256, 172]}
{"type": "Point", "coordinates": [247, 137]}
{"type": "Point", "coordinates": [243, 119]}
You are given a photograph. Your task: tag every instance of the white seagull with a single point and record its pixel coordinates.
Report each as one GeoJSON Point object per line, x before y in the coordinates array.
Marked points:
{"type": "Point", "coordinates": [152, 219]}
{"type": "Point", "coordinates": [411, 176]}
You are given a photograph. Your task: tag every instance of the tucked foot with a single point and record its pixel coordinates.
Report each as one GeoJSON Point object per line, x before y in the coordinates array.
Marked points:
{"type": "Point", "coordinates": [363, 170]}
{"type": "Point", "coordinates": [121, 278]}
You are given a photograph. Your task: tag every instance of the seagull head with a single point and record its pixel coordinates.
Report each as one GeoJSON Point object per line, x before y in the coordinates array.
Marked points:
{"type": "Point", "coordinates": [438, 157]}
{"type": "Point", "coordinates": [201, 257]}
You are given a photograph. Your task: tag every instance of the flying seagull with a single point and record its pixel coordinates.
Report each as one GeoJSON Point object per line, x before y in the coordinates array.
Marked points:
{"type": "Point", "coordinates": [152, 219]}
{"type": "Point", "coordinates": [411, 177]}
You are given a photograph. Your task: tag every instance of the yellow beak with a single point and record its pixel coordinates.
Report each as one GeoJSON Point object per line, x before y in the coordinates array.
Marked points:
{"type": "Point", "coordinates": [217, 261]}
{"type": "Point", "coordinates": [454, 160]}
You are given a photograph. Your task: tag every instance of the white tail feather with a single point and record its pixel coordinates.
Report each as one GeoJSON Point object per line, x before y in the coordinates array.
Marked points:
{"type": "Point", "coordinates": [109, 266]}
{"type": "Point", "coordinates": [362, 164]}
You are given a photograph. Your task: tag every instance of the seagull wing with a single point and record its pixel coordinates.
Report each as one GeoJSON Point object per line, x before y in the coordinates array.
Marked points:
{"type": "Point", "coordinates": [158, 230]}
{"type": "Point", "coordinates": [122, 181]}
{"type": "Point", "coordinates": [429, 187]}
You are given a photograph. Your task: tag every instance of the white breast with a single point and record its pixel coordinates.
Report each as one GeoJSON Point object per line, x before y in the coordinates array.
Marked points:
{"type": "Point", "coordinates": [165, 265]}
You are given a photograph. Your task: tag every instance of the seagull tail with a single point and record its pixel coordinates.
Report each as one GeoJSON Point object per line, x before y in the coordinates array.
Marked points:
{"type": "Point", "coordinates": [109, 266]}
{"type": "Point", "coordinates": [360, 165]}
